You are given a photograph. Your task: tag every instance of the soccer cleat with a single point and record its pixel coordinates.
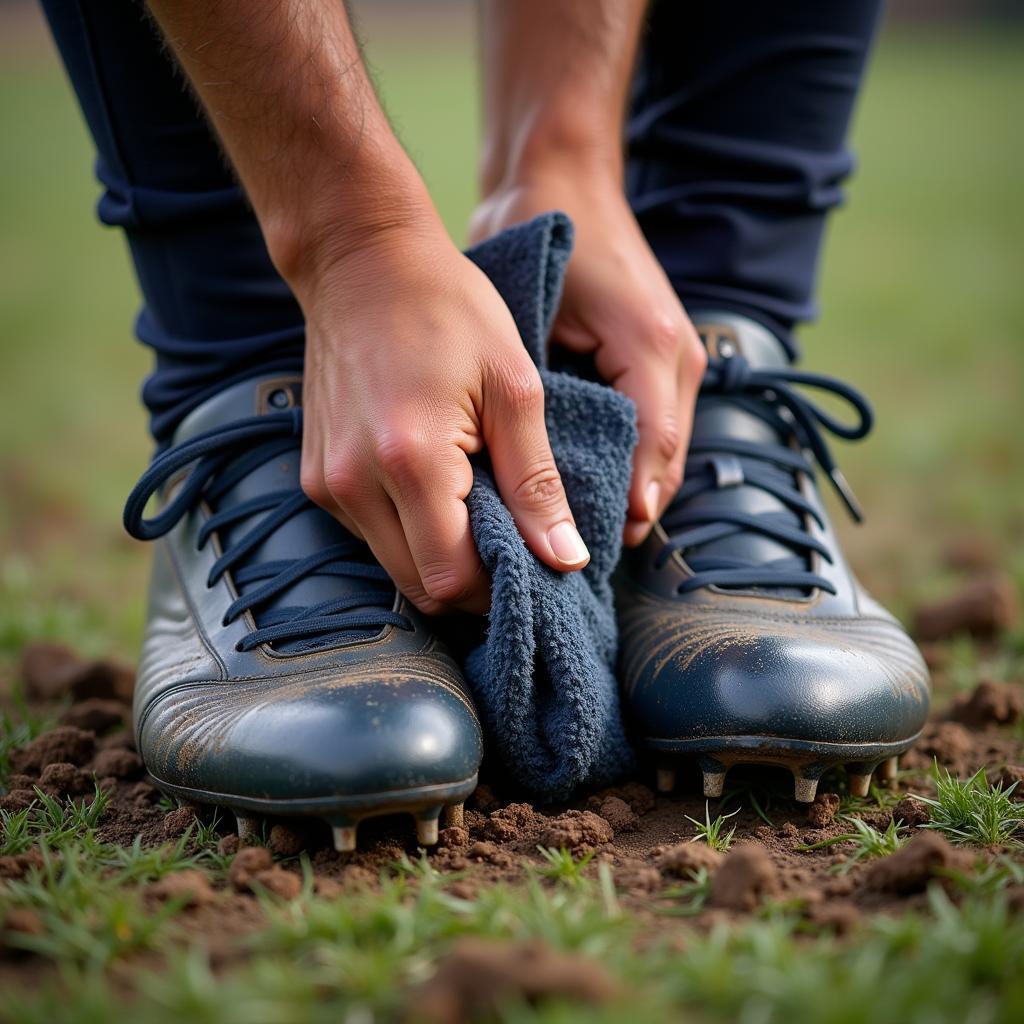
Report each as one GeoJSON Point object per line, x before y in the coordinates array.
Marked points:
{"type": "Point", "coordinates": [744, 637]}
{"type": "Point", "coordinates": [282, 674]}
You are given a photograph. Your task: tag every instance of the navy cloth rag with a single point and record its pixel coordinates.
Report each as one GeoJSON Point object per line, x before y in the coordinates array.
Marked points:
{"type": "Point", "coordinates": [544, 677]}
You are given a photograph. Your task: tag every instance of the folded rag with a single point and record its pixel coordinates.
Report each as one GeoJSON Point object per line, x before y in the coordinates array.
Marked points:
{"type": "Point", "coordinates": [544, 677]}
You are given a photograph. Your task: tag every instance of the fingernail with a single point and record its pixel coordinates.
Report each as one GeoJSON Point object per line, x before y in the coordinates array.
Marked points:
{"type": "Point", "coordinates": [567, 544]}
{"type": "Point", "coordinates": [652, 497]}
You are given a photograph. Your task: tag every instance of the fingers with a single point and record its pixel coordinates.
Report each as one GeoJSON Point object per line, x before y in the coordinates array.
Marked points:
{"type": "Point", "coordinates": [408, 506]}
{"type": "Point", "coordinates": [428, 487]}
{"type": "Point", "coordinates": [524, 468]}
{"type": "Point", "coordinates": [664, 387]}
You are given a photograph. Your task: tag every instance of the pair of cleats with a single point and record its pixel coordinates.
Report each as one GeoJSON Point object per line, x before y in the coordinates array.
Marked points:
{"type": "Point", "coordinates": [283, 675]}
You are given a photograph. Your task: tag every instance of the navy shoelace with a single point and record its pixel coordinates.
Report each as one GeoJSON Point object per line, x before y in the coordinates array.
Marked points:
{"type": "Point", "coordinates": [224, 456]}
{"type": "Point", "coordinates": [715, 463]}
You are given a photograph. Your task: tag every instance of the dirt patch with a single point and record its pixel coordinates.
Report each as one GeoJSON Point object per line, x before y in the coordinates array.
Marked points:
{"type": "Point", "coordinates": [478, 977]}
{"type": "Point", "coordinates": [780, 850]}
{"type": "Point", "coordinates": [984, 606]}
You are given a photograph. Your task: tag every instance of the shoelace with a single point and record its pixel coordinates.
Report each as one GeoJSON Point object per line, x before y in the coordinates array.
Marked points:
{"type": "Point", "coordinates": [714, 463]}
{"type": "Point", "coordinates": [222, 458]}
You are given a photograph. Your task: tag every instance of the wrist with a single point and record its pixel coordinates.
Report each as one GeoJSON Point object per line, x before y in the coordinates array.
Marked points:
{"type": "Point", "coordinates": [372, 203]}
{"type": "Point", "coordinates": [551, 146]}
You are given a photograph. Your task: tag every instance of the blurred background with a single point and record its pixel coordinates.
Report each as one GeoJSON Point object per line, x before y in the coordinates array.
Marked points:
{"type": "Point", "coordinates": [922, 299]}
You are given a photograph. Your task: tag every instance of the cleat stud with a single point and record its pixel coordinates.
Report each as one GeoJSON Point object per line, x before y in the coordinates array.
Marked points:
{"type": "Point", "coordinates": [714, 783]}
{"type": "Point", "coordinates": [454, 816]}
{"type": "Point", "coordinates": [247, 825]}
{"type": "Point", "coordinates": [805, 789]}
{"type": "Point", "coordinates": [426, 826]}
{"type": "Point", "coordinates": [666, 780]}
{"type": "Point", "coordinates": [344, 837]}
{"type": "Point", "coordinates": [858, 783]}
{"type": "Point", "coordinates": [887, 769]}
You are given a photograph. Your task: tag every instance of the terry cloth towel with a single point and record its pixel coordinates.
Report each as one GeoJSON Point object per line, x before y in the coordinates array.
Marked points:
{"type": "Point", "coordinates": [544, 677]}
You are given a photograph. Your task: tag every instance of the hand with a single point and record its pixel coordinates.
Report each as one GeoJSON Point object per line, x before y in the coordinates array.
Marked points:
{"type": "Point", "coordinates": [619, 305]}
{"type": "Point", "coordinates": [413, 363]}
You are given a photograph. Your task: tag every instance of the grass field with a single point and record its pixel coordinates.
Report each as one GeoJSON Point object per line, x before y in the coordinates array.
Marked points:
{"type": "Point", "coordinates": [923, 308]}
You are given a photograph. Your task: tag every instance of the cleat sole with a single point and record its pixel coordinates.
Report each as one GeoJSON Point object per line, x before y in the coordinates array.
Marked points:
{"type": "Point", "coordinates": [342, 813]}
{"type": "Point", "coordinates": [666, 780]}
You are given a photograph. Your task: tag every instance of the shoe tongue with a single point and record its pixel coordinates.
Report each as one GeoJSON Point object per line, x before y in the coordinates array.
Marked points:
{"type": "Point", "coordinates": [304, 534]}
{"type": "Point", "coordinates": [722, 416]}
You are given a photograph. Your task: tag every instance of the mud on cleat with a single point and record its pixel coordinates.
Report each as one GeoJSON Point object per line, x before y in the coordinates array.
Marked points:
{"type": "Point", "coordinates": [282, 674]}
{"type": "Point", "coordinates": [744, 636]}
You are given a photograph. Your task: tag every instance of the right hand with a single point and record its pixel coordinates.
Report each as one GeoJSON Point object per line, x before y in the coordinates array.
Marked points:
{"type": "Point", "coordinates": [413, 363]}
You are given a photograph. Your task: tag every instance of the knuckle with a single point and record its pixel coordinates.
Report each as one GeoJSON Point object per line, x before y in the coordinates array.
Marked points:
{"type": "Point", "coordinates": [401, 452]}
{"type": "Point", "coordinates": [541, 490]}
{"type": "Point", "coordinates": [663, 333]}
{"type": "Point", "coordinates": [314, 487]}
{"type": "Point", "coordinates": [665, 437]}
{"type": "Point", "coordinates": [341, 480]}
{"type": "Point", "coordinates": [521, 386]}
{"type": "Point", "coordinates": [445, 584]}
{"type": "Point", "coordinates": [695, 355]}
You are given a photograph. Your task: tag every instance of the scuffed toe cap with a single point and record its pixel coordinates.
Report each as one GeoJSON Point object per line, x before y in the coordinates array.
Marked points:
{"type": "Point", "coordinates": [306, 739]}
{"type": "Point", "coordinates": [836, 681]}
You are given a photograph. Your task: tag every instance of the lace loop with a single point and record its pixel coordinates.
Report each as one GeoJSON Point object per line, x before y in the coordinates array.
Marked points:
{"type": "Point", "coordinates": [220, 459]}
{"type": "Point", "coordinates": [718, 463]}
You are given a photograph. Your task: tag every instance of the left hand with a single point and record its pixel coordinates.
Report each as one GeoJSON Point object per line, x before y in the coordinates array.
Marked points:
{"type": "Point", "coordinates": [618, 304]}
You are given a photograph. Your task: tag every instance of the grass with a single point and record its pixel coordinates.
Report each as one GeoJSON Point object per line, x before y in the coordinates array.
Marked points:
{"type": "Point", "coordinates": [713, 832]}
{"type": "Point", "coordinates": [972, 811]}
{"type": "Point", "coordinates": [868, 842]}
{"type": "Point", "coordinates": [562, 865]}
{"type": "Point", "coordinates": [355, 958]}
{"type": "Point", "coordinates": [49, 822]}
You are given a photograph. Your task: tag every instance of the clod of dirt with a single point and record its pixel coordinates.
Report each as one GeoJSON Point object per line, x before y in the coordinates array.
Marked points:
{"type": "Point", "coordinates": [177, 822]}
{"type": "Point", "coordinates": [17, 800]}
{"type": "Point", "coordinates": [248, 863]}
{"type": "Point", "coordinates": [278, 881]}
{"type": "Point", "coordinates": [911, 812]}
{"type": "Point", "coordinates": [49, 671]}
{"type": "Point", "coordinates": [19, 864]}
{"type": "Point", "coordinates": [286, 841]}
{"type": "Point", "coordinates": [228, 846]}
{"type": "Point", "coordinates": [24, 921]}
{"type": "Point", "coordinates": [984, 606]}
{"type": "Point", "coordinates": [327, 888]}
{"type": "Point", "coordinates": [950, 743]}
{"type": "Point", "coordinates": [578, 831]}
{"type": "Point", "coordinates": [684, 859]}
{"type": "Point", "coordinates": [65, 744]}
{"type": "Point", "coordinates": [117, 763]}
{"type": "Point", "coordinates": [823, 811]}
{"type": "Point", "coordinates": [96, 715]}
{"type": "Point", "coordinates": [1013, 775]}
{"type": "Point", "coordinates": [991, 703]}
{"type": "Point", "coordinates": [619, 815]}
{"type": "Point", "coordinates": [489, 854]}
{"type": "Point", "coordinates": [453, 838]}
{"type": "Point", "coordinates": [971, 552]}
{"type": "Point", "coordinates": [637, 878]}
{"type": "Point", "coordinates": [190, 886]}
{"type": "Point", "coordinates": [910, 869]}
{"type": "Point", "coordinates": [478, 976]}
{"type": "Point", "coordinates": [512, 823]}
{"type": "Point", "coordinates": [639, 797]}
{"type": "Point", "coordinates": [63, 779]}
{"type": "Point", "coordinates": [745, 878]}
{"type": "Point", "coordinates": [836, 916]}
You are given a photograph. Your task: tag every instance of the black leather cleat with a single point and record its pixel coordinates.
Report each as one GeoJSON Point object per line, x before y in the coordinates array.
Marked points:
{"type": "Point", "coordinates": [744, 635]}
{"type": "Point", "coordinates": [282, 674]}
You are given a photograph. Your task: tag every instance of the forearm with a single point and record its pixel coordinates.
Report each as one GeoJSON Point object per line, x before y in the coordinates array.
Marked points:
{"type": "Point", "coordinates": [284, 86]}
{"type": "Point", "coordinates": [555, 79]}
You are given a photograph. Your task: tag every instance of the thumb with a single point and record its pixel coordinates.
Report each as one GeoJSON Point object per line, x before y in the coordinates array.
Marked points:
{"type": "Point", "coordinates": [524, 468]}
